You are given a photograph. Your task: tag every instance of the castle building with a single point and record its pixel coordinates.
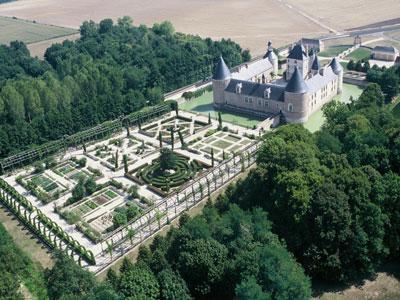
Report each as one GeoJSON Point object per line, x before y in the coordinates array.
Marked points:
{"type": "Point", "coordinates": [305, 88]}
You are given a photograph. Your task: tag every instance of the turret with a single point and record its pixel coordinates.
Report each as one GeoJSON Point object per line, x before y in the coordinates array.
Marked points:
{"type": "Point", "coordinates": [221, 78]}
{"type": "Point", "coordinates": [297, 58]}
{"type": "Point", "coordinates": [271, 56]}
{"type": "Point", "coordinates": [338, 70]}
{"type": "Point", "coordinates": [315, 66]}
{"type": "Point", "coordinates": [296, 97]}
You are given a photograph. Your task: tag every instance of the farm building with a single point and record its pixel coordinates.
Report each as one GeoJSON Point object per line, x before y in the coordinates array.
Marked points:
{"type": "Point", "coordinates": [386, 53]}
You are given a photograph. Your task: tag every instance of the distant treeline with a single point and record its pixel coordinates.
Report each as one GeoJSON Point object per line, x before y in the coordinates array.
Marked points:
{"type": "Point", "coordinates": [5, 1]}
{"type": "Point", "coordinates": [113, 69]}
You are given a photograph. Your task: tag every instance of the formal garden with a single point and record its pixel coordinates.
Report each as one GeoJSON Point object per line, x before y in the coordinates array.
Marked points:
{"type": "Point", "coordinates": [220, 144]}
{"type": "Point", "coordinates": [172, 129]}
{"type": "Point", "coordinates": [112, 206]}
{"type": "Point", "coordinates": [167, 172]}
{"type": "Point", "coordinates": [113, 152]}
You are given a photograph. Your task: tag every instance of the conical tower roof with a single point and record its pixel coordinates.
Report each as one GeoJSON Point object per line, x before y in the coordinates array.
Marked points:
{"type": "Point", "coordinates": [336, 66]}
{"type": "Point", "coordinates": [316, 65]}
{"type": "Point", "coordinates": [296, 83]}
{"type": "Point", "coordinates": [221, 72]}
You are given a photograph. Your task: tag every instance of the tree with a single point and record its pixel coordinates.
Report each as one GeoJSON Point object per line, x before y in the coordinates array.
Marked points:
{"type": "Point", "coordinates": [125, 158]}
{"type": "Point", "coordinates": [202, 264]}
{"type": "Point", "coordinates": [212, 157]}
{"type": "Point", "coordinates": [79, 191]}
{"type": "Point", "coordinates": [219, 121]}
{"type": "Point", "coordinates": [249, 289]}
{"type": "Point", "coordinates": [131, 234]}
{"type": "Point", "coordinates": [167, 159]}
{"type": "Point", "coordinates": [209, 118]}
{"type": "Point", "coordinates": [139, 282]}
{"type": "Point", "coordinates": [9, 286]}
{"type": "Point", "coordinates": [90, 186]}
{"type": "Point", "coordinates": [172, 286]}
{"type": "Point", "coordinates": [172, 138]}
{"type": "Point", "coordinates": [160, 138]}
{"type": "Point", "coordinates": [116, 160]}
{"type": "Point", "coordinates": [79, 283]}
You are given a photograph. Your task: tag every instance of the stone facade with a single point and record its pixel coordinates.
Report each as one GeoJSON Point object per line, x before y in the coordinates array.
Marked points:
{"type": "Point", "coordinates": [307, 86]}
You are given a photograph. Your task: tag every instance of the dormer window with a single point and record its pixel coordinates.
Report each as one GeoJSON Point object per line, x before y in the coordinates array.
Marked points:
{"type": "Point", "coordinates": [267, 93]}
{"type": "Point", "coordinates": [238, 88]}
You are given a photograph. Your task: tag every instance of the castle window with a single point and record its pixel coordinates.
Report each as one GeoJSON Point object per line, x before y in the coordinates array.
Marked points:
{"type": "Point", "coordinates": [246, 99]}
{"type": "Point", "coordinates": [267, 93]}
{"type": "Point", "coordinates": [290, 107]}
{"type": "Point", "coordinates": [266, 103]}
{"type": "Point", "coordinates": [259, 102]}
{"type": "Point", "coordinates": [250, 100]}
{"type": "Point", "coordinates": [238, 88]}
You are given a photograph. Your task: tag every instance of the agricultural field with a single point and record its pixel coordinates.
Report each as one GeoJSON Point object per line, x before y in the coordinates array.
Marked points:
{"type": "Point", "coordinates": [204, 105]}
{"type": "Point", "coordinates": [29, 32]}
{"type": "Point", "coordinates": [344, 14]}
{"type": "Point", "coordinates": [195, 17]}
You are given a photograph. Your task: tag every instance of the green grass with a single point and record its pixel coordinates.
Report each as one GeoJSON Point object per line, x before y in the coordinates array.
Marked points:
{"type": "Point", "coordinates": [110, 194]}
{"type": "Point", "coordinates": [204, 106]}
{"type": "Point", "coordinates": [222, 144]}
{"type": "Point", "coordinates": [29, 32]}
{"type": "Point", "coordinates": [334, 50]}
{"type": "Point", "coordinates": [317, 119]}
{"type": "Point", "coordinates": [344, 65]}
{"type": "Point", "coordinates": [360, 53]}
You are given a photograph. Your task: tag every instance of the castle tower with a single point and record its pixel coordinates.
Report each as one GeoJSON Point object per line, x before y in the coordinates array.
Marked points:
{"type": "Point", "coordinates": [220, 80]}
{"type": "Point", "coordinates": [273, 59]}
{"type": "Point", "coordinates": [315, 66]}
{"type": "Point", "coordinates": [296, 99]}
{"type": "Point", "coordinates": [297, 58]}
{"type": "Point", "coordinates": [338, 70]}
{"type": "Point", "coordinates": [311, 59]}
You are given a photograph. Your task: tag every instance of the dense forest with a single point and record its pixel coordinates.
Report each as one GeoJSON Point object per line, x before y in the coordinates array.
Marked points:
{"type": "Point", "coordinates": [113, 69]}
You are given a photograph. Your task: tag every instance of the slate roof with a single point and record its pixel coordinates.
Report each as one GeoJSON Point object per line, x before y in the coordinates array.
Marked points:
{"type": "Point", "coordinates": [257, 89]}
{"type": "Point", "coordinates": [296, 83]}
{"type": "Point", "coordinates": [318, 81]}
{"type": "Point", "coordinates": [336, 66]}
{"type": "Point", "coordinates": [298, 52]}
{"type": "Point", "coordinates": [387, 49]}
{"type": "Point", "coordinates": [252, 69]}
{"type": "Point", "coordinates": [316, 65]}
{"type": "Point", "coordinates": [270, 55]}
{"type": "Point", "coordinates": [221, 72]}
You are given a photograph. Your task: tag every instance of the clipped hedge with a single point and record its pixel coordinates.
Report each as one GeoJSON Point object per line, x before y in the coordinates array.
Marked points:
{"type": "Point", "coordinates": [40, 224]}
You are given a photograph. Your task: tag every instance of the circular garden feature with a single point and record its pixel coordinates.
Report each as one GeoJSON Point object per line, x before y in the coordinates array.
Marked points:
{"type": "Point", "coordinates": [169, 171]}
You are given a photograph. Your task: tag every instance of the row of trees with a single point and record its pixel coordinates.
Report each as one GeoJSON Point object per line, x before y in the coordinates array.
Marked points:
{"type": "Point", "coordinates": [113, 69]}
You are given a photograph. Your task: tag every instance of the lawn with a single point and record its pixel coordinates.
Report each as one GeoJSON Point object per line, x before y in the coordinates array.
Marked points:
{"type": "Point", "coordinates": [317, 119]}
{"type": "Point", "coordinates": [29, 32]}
{"type": "Point", "coordinates": [204, 106]}
{"type": "Point", "coordinates": [360, 53]}
{"type": "Point", "coordinates": [334, 50]}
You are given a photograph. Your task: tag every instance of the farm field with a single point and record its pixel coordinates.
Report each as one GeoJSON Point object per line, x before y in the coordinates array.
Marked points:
{"type": "Point", "coordinates": [344, 14]}
{"type": "Point", "coordinates": [29, 32]}
{"type": "Point", "coordinates": [195, 17]}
